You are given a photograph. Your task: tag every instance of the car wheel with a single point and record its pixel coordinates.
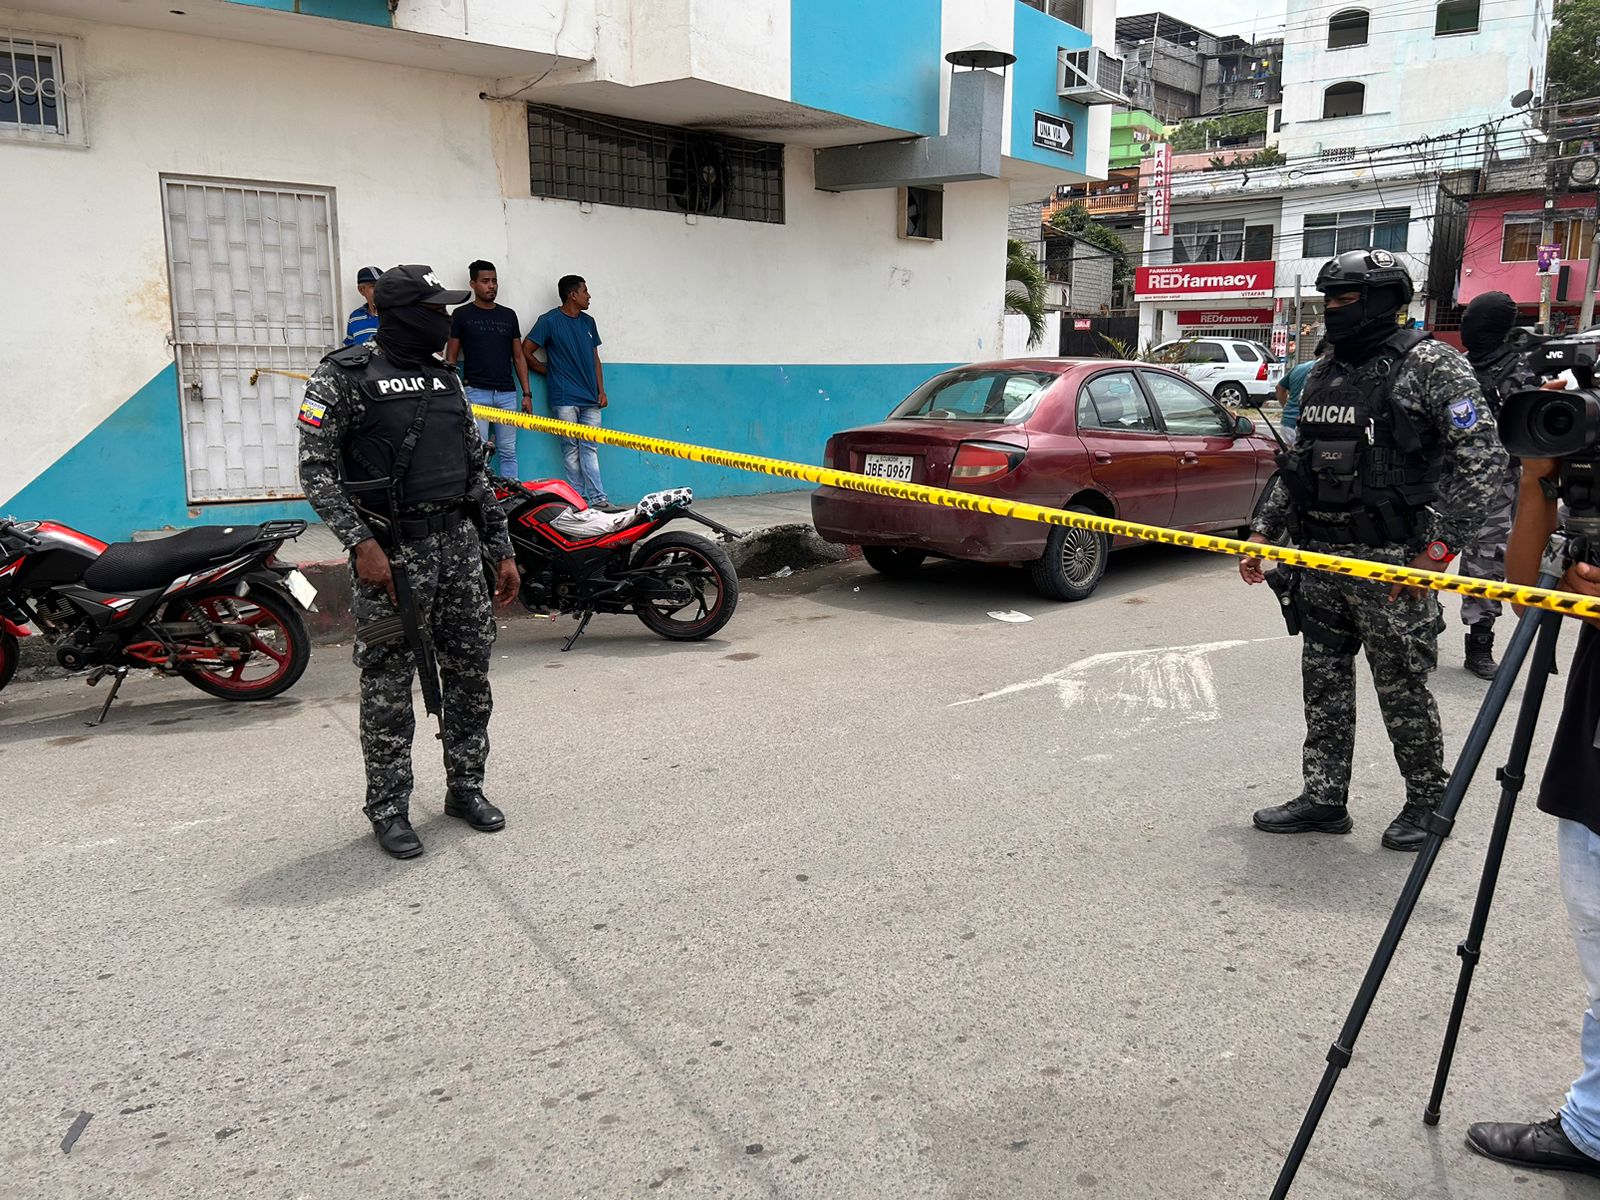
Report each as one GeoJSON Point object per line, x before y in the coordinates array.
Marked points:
{"type": "Point", "coordinates": [892, 561]}
{"type": "Point", "coordinates": [1072, 563]}
{"type": "Point", "coordinates": [1231, 393]}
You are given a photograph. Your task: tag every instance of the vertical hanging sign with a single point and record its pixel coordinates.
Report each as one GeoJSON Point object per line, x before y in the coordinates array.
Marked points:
{"type": "Point", "coordinates": [1161, 189]}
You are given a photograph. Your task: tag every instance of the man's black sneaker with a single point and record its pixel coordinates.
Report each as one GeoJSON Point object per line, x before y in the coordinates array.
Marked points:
{"type": "Point", "coordinates": [1302, 816]}
{"type": "Point", "coordinates": [1405, 832]}
{"type": "Point", "coordinates": [475, 811]}
{"type": "Point", "coordinates": [1543, 1146]}
{"type": "Point", "coordinates": [396, 836]}
{"type": "Point", "coordinates": [1480, 651]}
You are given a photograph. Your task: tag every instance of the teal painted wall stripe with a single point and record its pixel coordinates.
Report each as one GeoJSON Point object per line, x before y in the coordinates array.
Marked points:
{"type": "Point", "coordinates": [127, 474]}
{"type": "Point", "coordinates": [1039, 38]}
{"type": "Point", "coordinates": [874, 60]}
{"type": "Point", "coordinates": [363, 12]}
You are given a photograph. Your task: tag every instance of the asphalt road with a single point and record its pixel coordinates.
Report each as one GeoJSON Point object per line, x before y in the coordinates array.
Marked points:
{"type": "Point", "coordinates": [875, 895]}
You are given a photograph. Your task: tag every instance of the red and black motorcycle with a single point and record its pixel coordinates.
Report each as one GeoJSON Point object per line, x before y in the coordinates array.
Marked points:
{"type": "Point", "coordinates": [576, 561]}
{"type": "Point", "coordinates": [210, 605]}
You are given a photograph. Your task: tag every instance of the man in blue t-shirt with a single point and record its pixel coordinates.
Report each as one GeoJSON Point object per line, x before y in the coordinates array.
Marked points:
{"type": "Point", "coordinates": [1290, 387]}
{"type": "Point", "coordinates": [362, 325]}
{"type": "Point", "coordinates": [571, 367]}
{"type": "Point", "coordinates": [487, 336]}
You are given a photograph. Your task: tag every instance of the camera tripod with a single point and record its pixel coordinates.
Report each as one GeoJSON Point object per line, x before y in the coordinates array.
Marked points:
{"type": "Point", "coordinates": [1534, 626]}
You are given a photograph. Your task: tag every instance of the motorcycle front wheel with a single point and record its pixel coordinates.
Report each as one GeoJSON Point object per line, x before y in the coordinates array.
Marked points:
{"type": "Point", "coordinates": [9, 652]}
{"type": "Point", "coordinates": [274, 632]}
{"type": "Point", "coordinates": [704, 584]}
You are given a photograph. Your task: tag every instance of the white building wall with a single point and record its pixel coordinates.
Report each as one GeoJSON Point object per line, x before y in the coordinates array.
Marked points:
{"type": "Point", "coordinates": [567, 28]}
{"type": "Point", "coordinates": [421, 182]}
{"type": "Point", "coordinates": [1417, 84]}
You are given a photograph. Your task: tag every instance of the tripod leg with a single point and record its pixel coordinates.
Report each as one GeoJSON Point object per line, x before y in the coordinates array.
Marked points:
{"type": "Point", "coordinates": [1438, 826]}
{"type": "Point", "coordinates": [1511, 778]}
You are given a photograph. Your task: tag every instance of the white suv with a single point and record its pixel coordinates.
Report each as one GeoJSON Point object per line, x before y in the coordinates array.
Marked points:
{"type": "Point", "coordinates": [1231, 369]}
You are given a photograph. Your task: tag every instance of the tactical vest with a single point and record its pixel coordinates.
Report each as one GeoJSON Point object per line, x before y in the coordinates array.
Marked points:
{"type": "Point", "coordinates": [1358, 456]}
{"type": "Point", "coordinates": [1494, 377]}
{"type": "Point", "coordinates": [421, 406]}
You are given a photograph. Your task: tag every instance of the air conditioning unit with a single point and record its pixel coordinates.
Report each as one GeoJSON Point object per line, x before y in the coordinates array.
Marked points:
{"type": "Point", "coordinates": [1090, 76]}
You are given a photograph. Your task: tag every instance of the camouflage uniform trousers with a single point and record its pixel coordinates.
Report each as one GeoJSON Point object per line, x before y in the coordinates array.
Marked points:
{"type": "Point", "coordinates": [1485, 558]}
{"type": "Point", "coordinates": [1401, 639]}
{"type": "Point", "coordinates": [447, 579]}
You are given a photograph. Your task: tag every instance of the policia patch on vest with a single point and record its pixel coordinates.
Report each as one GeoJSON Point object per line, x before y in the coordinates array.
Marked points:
{"type": "Point", "coordinates": [312, 412]}
{"type": "Point", "coordinates": [1464, 413]}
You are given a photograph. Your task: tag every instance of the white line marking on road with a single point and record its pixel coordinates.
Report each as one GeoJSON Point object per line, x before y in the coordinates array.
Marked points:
{"type": "Point", "coordinates": [1169, 683]}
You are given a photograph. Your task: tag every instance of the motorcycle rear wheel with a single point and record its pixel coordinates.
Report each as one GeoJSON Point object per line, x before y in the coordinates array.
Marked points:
{"type": "Point", "coordinates": [279, 638]}
{"type": "Point", "coordinates": [9, 652]}
{"type": "Point", "coordinates": [696, 566]}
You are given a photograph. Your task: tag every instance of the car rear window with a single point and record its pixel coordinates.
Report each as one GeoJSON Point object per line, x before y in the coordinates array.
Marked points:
{"type": "Point", "coordinates": [1204, 352]}
{"type": "Point", "coordinates": [995, 395]}
{"type": "Point", "coordinates": [1247, 352]}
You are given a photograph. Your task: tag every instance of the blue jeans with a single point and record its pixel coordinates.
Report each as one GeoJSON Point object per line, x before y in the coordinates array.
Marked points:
{"type": "Point", "coordinates": [505, 436]}
{"type": "Point", "coordinates": [1580, 886]}
{"type": "Point", "coordinates": [583, 459]}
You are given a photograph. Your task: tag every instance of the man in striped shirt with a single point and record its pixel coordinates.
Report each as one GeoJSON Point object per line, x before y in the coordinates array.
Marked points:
{"type": "Point", "coordinates": [363, 323]}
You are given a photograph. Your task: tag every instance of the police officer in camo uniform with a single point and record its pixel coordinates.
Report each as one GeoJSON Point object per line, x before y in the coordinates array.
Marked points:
{"type": "Point", "coordinates": [390, 412]}
{"type": "Point", "coordinates": [1501, 372]}
{"type": "Point", "coordinates": [1395, 460]}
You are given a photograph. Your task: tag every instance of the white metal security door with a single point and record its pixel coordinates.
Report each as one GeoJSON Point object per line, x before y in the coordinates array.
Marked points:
{"type": "Point", "coordinates": [252, 269]}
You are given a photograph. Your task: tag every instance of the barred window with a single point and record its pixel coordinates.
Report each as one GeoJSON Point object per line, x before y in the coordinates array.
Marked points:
{"type": "Point", "coordinates": [598, 159]}
{"type": "Point", "coordinates": [41, 99]}
{"type": "Point", "coordinates": [1328, 234]}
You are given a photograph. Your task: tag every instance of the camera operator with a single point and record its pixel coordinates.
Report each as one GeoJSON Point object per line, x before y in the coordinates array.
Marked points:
{"type": "Point", "coordinates": [1501, 371]}
{"type": "Point", "coordinates": [1570, 791]}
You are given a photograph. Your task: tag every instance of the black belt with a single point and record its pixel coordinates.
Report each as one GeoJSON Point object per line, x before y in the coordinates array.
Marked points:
{"type": "Point", "coordinates": [1359, 528]}
{"type": "Point", "coordinates": [415, 528]}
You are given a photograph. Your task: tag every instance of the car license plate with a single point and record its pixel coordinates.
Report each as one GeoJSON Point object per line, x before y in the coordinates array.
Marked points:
{"type": "Point", "coordinates": [889, 466]}
{"type": "Point", "coordinates": [301, 589]}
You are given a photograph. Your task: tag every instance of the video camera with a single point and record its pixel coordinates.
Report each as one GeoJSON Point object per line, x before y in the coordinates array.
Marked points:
{"type": "Point", "coordinates": [1564, 424]}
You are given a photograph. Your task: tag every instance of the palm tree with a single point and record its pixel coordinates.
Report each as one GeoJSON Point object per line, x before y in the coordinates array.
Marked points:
{"type": "Point", "coordinates": [1025, 288]}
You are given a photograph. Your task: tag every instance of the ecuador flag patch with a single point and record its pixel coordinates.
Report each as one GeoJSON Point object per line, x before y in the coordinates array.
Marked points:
{"type": "Point", "coordinates": [311, 413]}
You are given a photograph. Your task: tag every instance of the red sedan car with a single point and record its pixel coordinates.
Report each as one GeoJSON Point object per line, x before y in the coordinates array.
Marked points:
{"type": "Point", "coordinates": [1120, 439]}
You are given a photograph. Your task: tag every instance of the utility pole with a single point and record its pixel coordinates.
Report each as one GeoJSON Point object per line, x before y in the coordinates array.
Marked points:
{"type": "Point", "coordinates": [1299, 350]}
{"type": "Point", "coordinates": [1586, 316]}
{"type": "Point", "coordinates": [1547, 230]}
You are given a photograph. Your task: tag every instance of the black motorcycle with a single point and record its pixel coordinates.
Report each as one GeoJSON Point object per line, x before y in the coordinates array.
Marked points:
{"type": "Point", "coordinates": [210, 605]}
{"type": "Point", "coordinates": [681, 585]}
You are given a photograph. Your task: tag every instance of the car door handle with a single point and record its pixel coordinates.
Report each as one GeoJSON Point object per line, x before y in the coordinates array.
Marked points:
{"type": "Point", "coordinates": [1189, 458]}
{"type": "Point", "coordinates": [1100, 456]}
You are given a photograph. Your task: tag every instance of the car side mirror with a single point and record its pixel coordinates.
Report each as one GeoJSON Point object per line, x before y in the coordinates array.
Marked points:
{"type": "Point", "coordinates": [1243, 427]}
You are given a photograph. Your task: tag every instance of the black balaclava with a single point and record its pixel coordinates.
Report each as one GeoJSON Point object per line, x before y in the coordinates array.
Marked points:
{"type": "Point", "coordinates": [411, 334]}
{"type": "Point", "coordinates": [1358, 330]}
{"type": "Point", "coordinates": [1485, 324]}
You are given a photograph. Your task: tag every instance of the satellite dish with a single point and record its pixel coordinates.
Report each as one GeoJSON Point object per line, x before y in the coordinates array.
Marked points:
{"type": "Point", "coordinates": [1522, 99]}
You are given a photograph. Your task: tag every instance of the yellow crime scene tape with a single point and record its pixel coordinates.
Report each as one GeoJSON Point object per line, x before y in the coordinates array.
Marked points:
{"type": "Point", "coordinates": [1567, 603]}
{"type": "Point", "coordinates": [1358, 568]}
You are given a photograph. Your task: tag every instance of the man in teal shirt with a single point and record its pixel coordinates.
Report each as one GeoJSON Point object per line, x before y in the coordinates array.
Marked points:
{"type": "Point", "coordinates": [571, 367]}
{"type": "Point", "coordinates": [1290, 387]}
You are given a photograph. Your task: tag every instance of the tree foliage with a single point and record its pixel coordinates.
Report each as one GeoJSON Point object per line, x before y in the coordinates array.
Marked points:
{"type": "Point", "coordinates": [1574, 65]}
{"type": "Point", "coordinates": [1075, 218]}
{"type": "Point", "coordinates": [1025, 289]}
{"type": "Point", "coordinates": [1202, 135]}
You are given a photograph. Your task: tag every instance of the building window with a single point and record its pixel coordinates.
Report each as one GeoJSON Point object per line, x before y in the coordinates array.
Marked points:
{"type": "Point", "coordinates": [1257, 243]}
{"type": "Point", "coordinates": [1572, 230]}
{"type": "Point", "coordinates": [598, 159]}
{"type": "Point", "coordinates": [41, 99]}
{"type": "Point", "coordinates": [1220, 241]}
{"type": "Point", "coordinates": [1456, 16]}
{"type": "Point", "coordinates": [1327, 234]}
{"type": "Point", "coordinates": [1347, 28]}
{"type": "Point", "coordinates": [1070, 11]}
{"type": "Point", "coordinates": [922, 214]}
{"type": "Point", "coordinates": [1344, 100]}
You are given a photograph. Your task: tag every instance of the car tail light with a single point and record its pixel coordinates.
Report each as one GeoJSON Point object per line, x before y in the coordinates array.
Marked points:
{"type": "Point", "coordinates": [1261, 372]}
{"type": "Point", "coordinates": [828, 451]}
{"type": "Point", "coordinates": [980, 462]}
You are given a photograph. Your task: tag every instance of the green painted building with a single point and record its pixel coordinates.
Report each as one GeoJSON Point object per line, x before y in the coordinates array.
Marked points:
{"type": "Point", "coordinates": [1132, 135]}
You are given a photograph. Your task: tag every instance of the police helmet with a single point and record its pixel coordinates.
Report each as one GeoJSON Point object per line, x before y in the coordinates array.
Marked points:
{"type": "Point", "coordinates": [1358, 270]}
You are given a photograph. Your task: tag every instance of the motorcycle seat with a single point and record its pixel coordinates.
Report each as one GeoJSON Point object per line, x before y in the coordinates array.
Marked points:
{"type": "Point", "coordinates": [138, 566]}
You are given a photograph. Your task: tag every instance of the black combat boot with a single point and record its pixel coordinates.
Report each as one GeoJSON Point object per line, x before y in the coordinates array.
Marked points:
{"type": "Point", "coordinates": [1480, 650]}
{"type": "Point", "coordinates": [391, 825]}
{"type": "Point", "coordinates": [472, 808]}
{"type": "Point", "coordinates": [1303, 816]}
{"type": "Point", "coordinates": [1406, 832]}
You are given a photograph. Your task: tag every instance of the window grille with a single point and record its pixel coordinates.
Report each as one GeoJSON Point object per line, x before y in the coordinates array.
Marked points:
{"type": "Point", "coordinates": [41, 96]}
{"type": "Point", "coordinates": [597, 159]}
{"type": "Point", "coordinates": [1328, 234]}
